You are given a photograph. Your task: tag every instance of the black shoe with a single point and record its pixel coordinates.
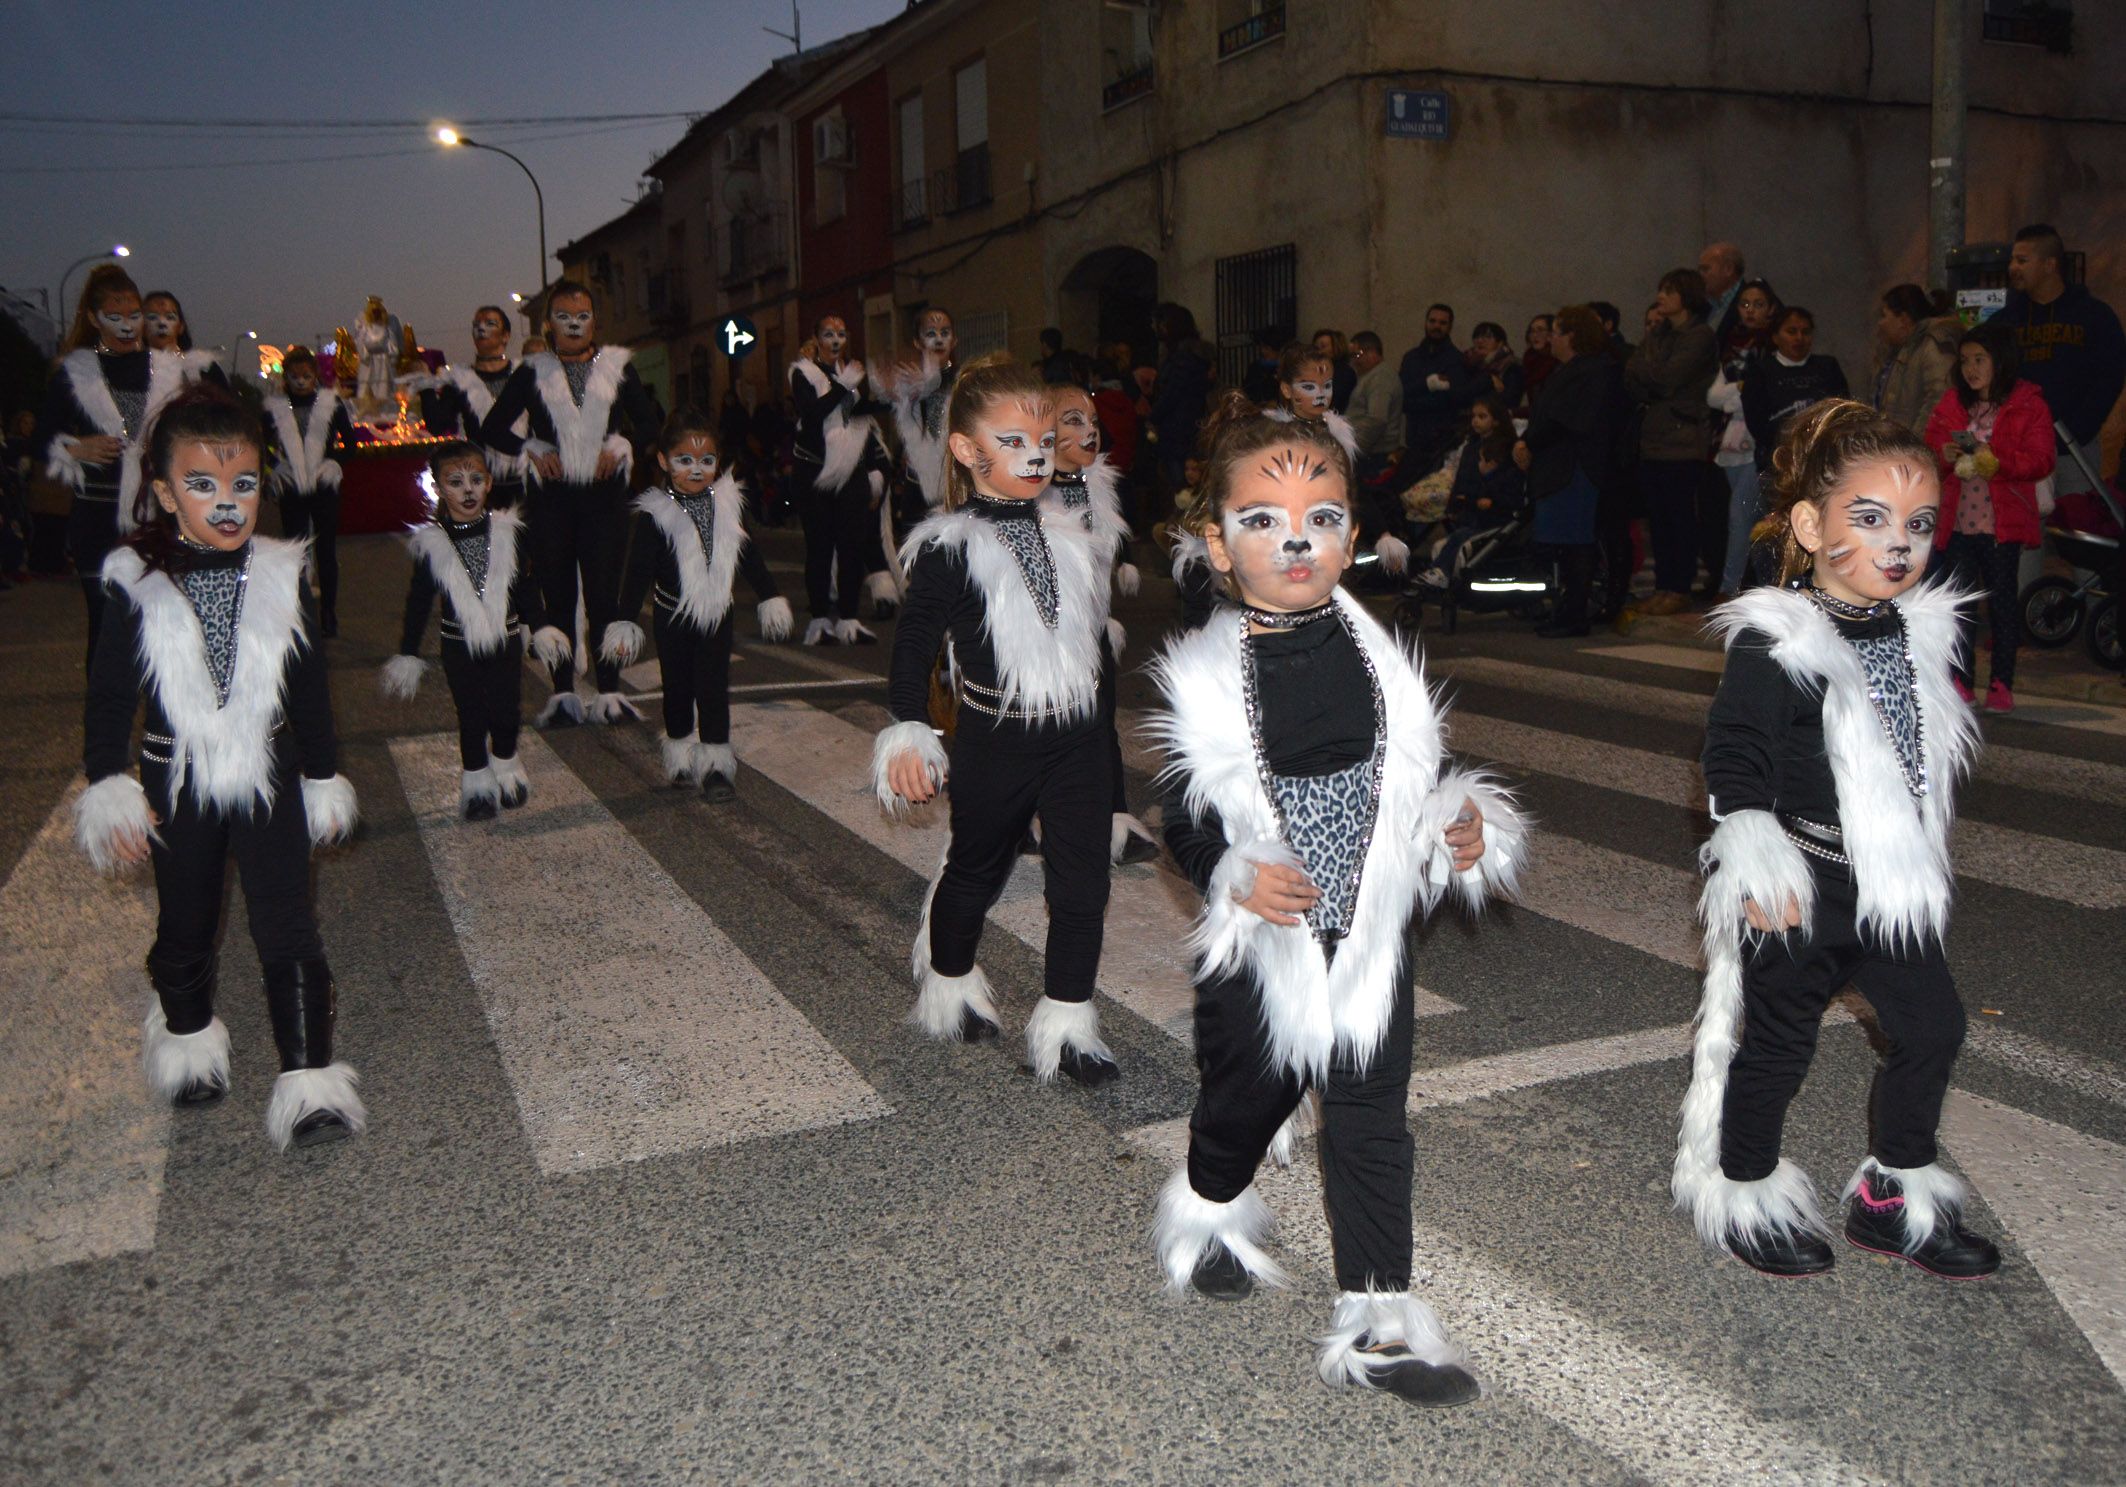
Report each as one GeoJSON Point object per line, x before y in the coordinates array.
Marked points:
{"type": "Point", "coordinates": [511, 799]}
{"type": "Point", "coordinates": [1875, 1222]}
{"type": "Point", "coordinates": [320, 1128]}
{"type": "Point", "coordinates": [717, 790]}
{"type": "Point", "coordinates": [1137, 849]}
{"type": "Point", "coordinates": [975, 1028]}
{"type": "Point", "coordinates": [884, 609]}
{"type": "Point", "coordinates": [481, 808]}
{"type": "Point", "coordinates": [1088, 1069]}
{"type": "Point", "coordinates": [1220, 1275]}
{"type": "Point", "coordinates": [201, 1092]}
{"type": "Point", "coordinates": [1556, 631]}
{"type": "Point", "coordinates": [1394, 1369]}
{"type": "Point", "coordinates": [1787, 1252]}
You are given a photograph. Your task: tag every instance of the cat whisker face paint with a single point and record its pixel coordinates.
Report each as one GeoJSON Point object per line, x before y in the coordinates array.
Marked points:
{"type": "Point", "coordinates": [935, 335]}
{"type": "Point", "coordinates": [120, 329]}
{"type": "Point", "coordinates": [1012, 453]}
{"type": "Point", "coordinates": [833, 337]}
{"type": "Point", "coordinates": [1286, 531]}
{"type": "Point", "coordinates": [1311, 396]}
{"type": "Point", "coordinates": [162, 329]}
{"type": "Point", "coordinates": [213, 493]}
{"type": "Point", "coordinates": [463, 486]}
{"type": "Point", "coordinates": [575, 324]}
{"type": "Point", "coordinates": [691, 465]}
{"type": "Point", "coordinates": [1875, 531]}
{"type": "Point", "coordinates": [1077, 429]}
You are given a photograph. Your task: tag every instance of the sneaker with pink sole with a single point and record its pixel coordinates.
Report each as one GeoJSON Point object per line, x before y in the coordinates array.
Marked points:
{"type": "Point", "coordinates": [1963, 689]}
{"type": "Point", "coordinates": [1999, 697]}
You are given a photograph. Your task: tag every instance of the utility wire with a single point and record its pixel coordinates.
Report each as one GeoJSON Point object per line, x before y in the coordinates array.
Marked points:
{"type": "Point", "coordinates": [147, 121]}
{"type": "Point", "coordinates": [195, 165]}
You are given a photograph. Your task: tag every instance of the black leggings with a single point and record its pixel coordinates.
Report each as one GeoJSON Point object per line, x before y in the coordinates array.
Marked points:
{"type": "Point", "coordinates": [696, 669]}
{"type": "Point", "coordinates": [91, 533]}
{"type": "Point", "coordinates": [1672, 489]}
{"type": "Point", "coordinates": [272, 852]}
{"type": "Point", "coordinates": [1787, 983]}
{"type": "Point", "coordinates": [997, 788]}
{"type": "Point", "coordinates": [317, 516]}
{"type": "Point", "coordinates": [488, 692]}
{"type": "Point", "coordinates": [837, 526]}
{"type": "Point", "coordinates": [579, 527]}
{"type": "Point", "coordinates": [1367, 1155]}
{"type": "Point", "coordinates": [1976, 561]}
{"type": "Point", "coordinates": [1119, 796]}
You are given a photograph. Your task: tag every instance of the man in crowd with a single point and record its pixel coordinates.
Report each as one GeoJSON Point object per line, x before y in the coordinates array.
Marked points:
{"type": "Point", "coordinates": [1376, 410]}
{"type": "Point", "coordinates": [1720, 266]}
{"type": "Point", "coordinates": [1436, 388]}
{"type": "Point", "coordinates": [2072, 346]}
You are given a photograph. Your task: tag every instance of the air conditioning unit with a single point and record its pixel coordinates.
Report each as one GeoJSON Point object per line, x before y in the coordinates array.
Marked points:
{"type": "Point", "coordinates": [738, 147]}
{"type": "Point", "coordinates": [830, 140]}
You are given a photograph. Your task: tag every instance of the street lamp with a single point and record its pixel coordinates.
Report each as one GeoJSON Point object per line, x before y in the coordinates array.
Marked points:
{"type": "Point", "coordinates": [449, 138]}
{"type": "Point", "coordinates": [116, 250]}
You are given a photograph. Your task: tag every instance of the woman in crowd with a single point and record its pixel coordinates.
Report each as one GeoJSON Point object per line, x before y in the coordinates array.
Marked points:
{"type": "Point", "coordinates": [1916, 356]}
{"type": "Point", "coordinates": [1669, 375]}
{"type": "Point", "coordinates": [1567, 453]}
{"type": "Point", "coordinates": [1734, 451]}
{"type": "Point", "coordinates": [1492, 365]}
{"type": "Point", "coordinates": [1536, 361]}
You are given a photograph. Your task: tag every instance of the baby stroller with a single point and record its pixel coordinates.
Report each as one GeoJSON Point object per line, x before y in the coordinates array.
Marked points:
{"type": "Point", "coordinates": [2083, 530]}
{"type": "Point", "coordinates": [1497, 569]}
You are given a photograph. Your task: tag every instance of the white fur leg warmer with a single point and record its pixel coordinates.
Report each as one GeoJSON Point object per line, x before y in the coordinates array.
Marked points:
{"type": "Point", "coordinates": [1728, 1212]}
{"type": "Point", "coordinates": [113, 808]}
{"type": "Point", "coordinates": [328, 805]}
{"type": "Point", "coordinates": [613, 707]}
{"type": "Point", "coordinates": [1121, 828]}
{"type": "Point", "coordinates": [560, 705]}
{"type": "Point", "coordinates": [849, 632]}
{"type": "Point", "coordinates": [1188, 1224]}
{"type": "Point", "coordinates": [1374, 1317]}
{"type": "Point", "coordinates": [301, 1092]}
{"type": "Point", "coordinates": [1933, 1197]}
{"type": "Point", "coordinates": [550, 644]}
{"type": "Point", "coordinates": [174, 1062]}
{"type": "Point", "coordinates": [622, 643]}
{"type": "Point", "coordinates": [880, 588]}
{"type": "Point", "coordinates": [1056, 1026]}
{"type": "Point", "coordinates": [775, 618]}
{"type": "Point", "coordinates": [680, 765]}
{"type": "Point", "coordinates": [716, 759]}
{"type": "Point", "coordinates": [1128, 580]}
{"type": "Point", "coordinates": [899, 739]}
{"type": "Point", "coordinates": [1498, 871]}
{"type": "Point", "coordinates": [478, 784]}
{"type": "Point", "coordinates": [940, 1001]}
{"type": "Point", "coordinates": [401, 677]}
{"type": "Point", "coordinates": [511, 779]}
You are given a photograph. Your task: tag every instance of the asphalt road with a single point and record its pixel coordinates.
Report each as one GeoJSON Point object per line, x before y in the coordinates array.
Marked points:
{"type": "Point", "coordinates": [660, 1187]}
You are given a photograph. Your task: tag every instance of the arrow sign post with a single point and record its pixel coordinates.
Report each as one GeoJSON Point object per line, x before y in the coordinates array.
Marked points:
{"type": "Point", "coordinates": [738, 336]}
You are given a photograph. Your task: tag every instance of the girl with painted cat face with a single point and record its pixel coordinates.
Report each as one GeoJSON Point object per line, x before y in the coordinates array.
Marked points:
{"type": "Point", "coordinates": [208, 629]}
{"type": "Point", "coordinates": [1018, 591]}
{"type": "Point", "coordinates": [1310, 803]}
{"type": "Point", "coordinates": [1832, 751]}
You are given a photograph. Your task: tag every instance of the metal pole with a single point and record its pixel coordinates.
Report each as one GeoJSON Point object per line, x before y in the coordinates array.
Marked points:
{"type": "Point", "coordinates": [539, 284]}
{"type": "Point", "coordinates": [1945, 148]}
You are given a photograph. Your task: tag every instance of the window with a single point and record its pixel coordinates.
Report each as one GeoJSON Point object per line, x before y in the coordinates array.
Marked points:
{"type": "Point", "coordinates": [1247, 24]}
{"type": "Point", "coordinates": [970, 166]}
{"type": "Point", "coordinates": [833, 153]}
{"type": "Point", "coordinates": [913, 205]}
{"type": "Point", "coordinates": [1255, 292]}
{"type": "Point", "coordinates": [1125, 53]}
{"type": "Point", "coordinates": [981, 333]}
{"type": "Point", "coordinates": [2045, 23]}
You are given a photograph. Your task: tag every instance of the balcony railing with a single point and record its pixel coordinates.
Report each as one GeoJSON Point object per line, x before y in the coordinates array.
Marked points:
{"type": "Point", "coordinates": [754, 246]}
{"type": "Point", "coordinates": [1132, 85]}
{"type": "Point", "coordinates": [911, 204]}
{"type": "Point", "coordinates": [970, 179]}
{"type": "Point", "coordinates": [1266, 25]}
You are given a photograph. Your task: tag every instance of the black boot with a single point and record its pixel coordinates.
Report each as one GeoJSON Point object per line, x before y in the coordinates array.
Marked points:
{"type": "Point", "coordinates": [1088, 1069]}
{"type": "Point", "coordinates": [313, 1100]}
{"type": "Point", "coordinates": [1785, 1252]}
{"type": "Point", "coordinates": [975, 1028]}
{"type": "Point", "coordinates": [1393, 1369]}
{"type": "Point", "coordinates": [187, 1059]}
{"type": "Point", "coordinates": [1876, 1221]}
{"type": "Point", "coordinates": [1220, 1275]}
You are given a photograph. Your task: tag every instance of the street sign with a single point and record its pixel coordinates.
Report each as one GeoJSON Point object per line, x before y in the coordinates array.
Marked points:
{"type": "Point", "coordinates": [1414, 115]}
{"type": "Point", "coordinates": [737, 335]}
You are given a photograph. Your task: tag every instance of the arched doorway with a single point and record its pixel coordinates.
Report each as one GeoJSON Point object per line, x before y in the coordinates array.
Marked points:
{"type": "Point", "coordinates": [1109, 297]}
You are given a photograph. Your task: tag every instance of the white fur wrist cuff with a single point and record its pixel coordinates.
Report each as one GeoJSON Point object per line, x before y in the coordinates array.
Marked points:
{"type": "Point", "coordinates": [1750, 859]}
{"type": "Point", "coordinates": [551, 645]}
{"type": "Point", "coordinates": [113, 808]}
{"type": "Point", "coordinates": [328, 805]}
{"type": "Point", "coordinates": [775, 618]}
{"type": "Point", "coordinates": [918, 738]}
{"type": "Point", "coordinates": [401, 677]}
{"type": "Point", "coordinates": [622, 643]}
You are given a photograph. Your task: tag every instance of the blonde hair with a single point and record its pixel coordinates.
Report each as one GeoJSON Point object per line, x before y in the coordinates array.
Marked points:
{"type": "Point", "coordinates": [1820, 446]}
{"type": "Point", "coordinates": [984, 383]}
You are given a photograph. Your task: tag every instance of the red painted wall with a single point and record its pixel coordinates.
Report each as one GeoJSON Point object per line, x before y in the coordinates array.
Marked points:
{"type": "Point", "coordinates": [846, 259]}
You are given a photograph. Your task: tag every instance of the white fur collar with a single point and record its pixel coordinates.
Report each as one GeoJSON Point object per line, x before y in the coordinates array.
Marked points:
{"type": "Point", "coordinates": [303, 453]}
{"type": "Point", "coordinates": [1311, 1008]}
{"type": "Point", "coordinates": [1102, 515]}
{"type": "Point", "coordinates": [224, 750]}
{"type": "Point", "coordinates": [1050, 672]}
{"type": "Point", "coordinates": [480, 400]}
{"type": "Point", "coordinates": [843, 438]}
{"type": "Point", "coordinates": [1899, 847]}
{"type": "Point", "coordinates": [579, 432]}
{"type": "Point", "coordinates": [704, 580]}
{"type": "Point", "coordinates": [483, 618]}
{"type": "Point", "coordinates": [470, 382]}
{"type": "Point", "coordinates": [167, 372]}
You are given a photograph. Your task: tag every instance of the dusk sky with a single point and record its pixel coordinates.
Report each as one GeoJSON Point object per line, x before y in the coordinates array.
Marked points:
{"type": "Point", "coordinates": [292, 247]}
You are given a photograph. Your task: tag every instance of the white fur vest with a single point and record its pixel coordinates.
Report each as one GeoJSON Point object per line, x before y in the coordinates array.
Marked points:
{"type": "Point", "coordinates": [843, 439]}
{"type": "Point", "coordinates": [1311, 1008]}
{"type": "Point", "coordinates": [481, 401]}
{"type": "Point", "coordinates": [580, 431]}
{"type": "Point", "coordinates": [303, 452]}
{"type": "Point", "coordinates": [223, 753]}
{"type": "Point", "coordinates": [1899, 846]}
{"type": "Point", "coordinates": [1053, 673]}
{"type": "Point", "coordinates": [168, 371]}
{"type": "Point", "coordinates": [1102, 515]}
{"type": "Point", "coordinates": [704, 579]}
{"type": "Point", "coordinates": [483, 618]}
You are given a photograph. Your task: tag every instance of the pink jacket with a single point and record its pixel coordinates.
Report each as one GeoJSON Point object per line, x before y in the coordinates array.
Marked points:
{"type": "Point", "coordinates": [2022, 441]}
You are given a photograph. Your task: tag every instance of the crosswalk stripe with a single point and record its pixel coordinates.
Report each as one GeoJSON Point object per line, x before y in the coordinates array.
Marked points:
{"type": "Point", "coordinates": [1681, 657]}
{"type": "Point", "coordinates": [594, 969]}
{"type": "Point", "coordinates": [2057, 774]}
{"type": "Point", "coordinates": [2062, 1194]}
{"type": "Point", "coordinates": [826, 762]}
{"type": "Point", "coordinates": [82, 1144]}
{"type": "Point", "coordinates": [1530, 1346]}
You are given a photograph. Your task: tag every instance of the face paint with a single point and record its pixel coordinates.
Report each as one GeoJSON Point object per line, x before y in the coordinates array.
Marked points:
{"type": "Point", "coordinates": [1011, 454]}
{"type": "Point", "coordinates": [1309, 396]}
{"type": "Point", "coordinates": [489, 335]}
{"type": "Point", "coordinates": [1877, 530]}
{"type": "Point", "coordinates": [162, 328]}
{"type": "Point", "coordinates": [691, 465]}
{"type": "Point", "coordinates": [1077, 430]}
{"type": "Point", "coordinates": [119, 327]}
{"type": "Point", "coordinates": [832, 338]}
{"type": "Point", "coordinates": [213, 492]}
{"type": "Point", "coordinates": [300, 379]}
{"type": "Point", "coordinates": [463, 487]}
{"type": "Point", "coordinates": [936, 337]}
{"type": "Point", "coordinates": [1286, 532]}
{"type": "Point", "coordinates": [572, 328]}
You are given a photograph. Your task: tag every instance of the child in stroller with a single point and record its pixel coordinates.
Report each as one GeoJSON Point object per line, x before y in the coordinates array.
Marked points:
{"type": "Point", "coordinates": [2083, 531]}
{"type": "Point", "coordinates": [1488, 497]}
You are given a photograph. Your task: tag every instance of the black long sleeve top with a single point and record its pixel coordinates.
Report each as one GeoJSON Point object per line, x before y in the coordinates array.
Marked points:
{"type": "Point", "coordinates": [118, 684]}
{"type": "Point", "coordinates": [337, 443]}
{"type": "Point", "coordinates": [447, 413]}
{"type": "Point", "coordinates": [423, 592]}
{"type": "Point", "coordinates": [633, 414]}
{"type": "Point", "coordinates": [944, 602]}
{"type": "Point", "coordinates": [814, 408]}
{"type": "Point", "coordinates": [125, 373]}
{"type": "Point", "coordinates": [1764, 747]}
{"type": "Point", "coordinates": [653, 562]}
{"type": "Point", "coordinates": [1317, 718]}
{"type": "Point", "coordinates": [1774, 391]}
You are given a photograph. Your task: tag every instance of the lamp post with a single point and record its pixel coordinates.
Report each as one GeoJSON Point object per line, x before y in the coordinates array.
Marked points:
{"type": "Point", "coordinates": [116, 250]}
{"type": "Point", "coordinates": [450, 138]}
